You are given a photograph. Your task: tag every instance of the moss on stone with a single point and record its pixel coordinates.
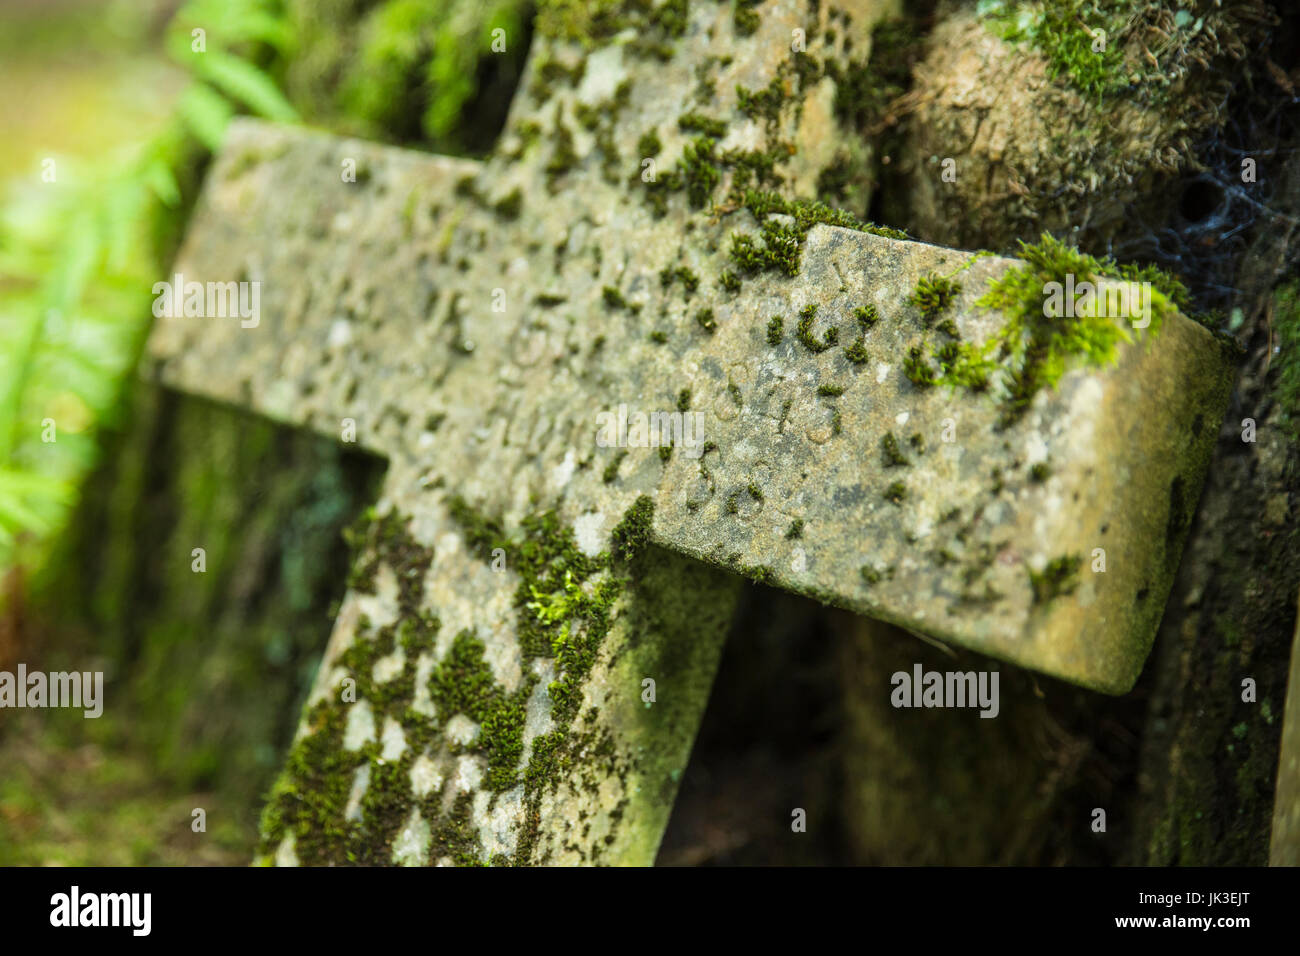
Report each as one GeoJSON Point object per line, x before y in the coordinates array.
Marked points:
{"type": "Point", "coordinates": [1034, 346]}
{"type": "Point", "coordinates": [867, 316]}
{"type": "Point", "coordinates": [1058, 577]}
{"type": "Point", "coordinates": [563, 154]}
{"type": "Point", "coordinates": [632, 534]}
{"type": "Point", "coordinates": [687, 277]}
{"type": "Point", "coordinates": [782, 243]}
{"type": "Point", "coordinates": [694, 122]}
{"type": "Point", "coordinates": [699, 170]}
{"type": "Point", "coordinates": [918, 369]}
{"type": "Point", "coordinates": [892, 452]}
{"type": "Point", "coordinates": [744, 17]}
{"type": "Point", "coordinates": [775, 330]}
{"type": "Point", "coordinates": [610, 473]}
{"type": "Point", "coordinates": [648, 145]}
{"type": "Point", "coordinates": [933, 295]}
{"type": "Point", "coordinates": [510, 205]}
{"type": "Point", "coordinates": [804, 333]}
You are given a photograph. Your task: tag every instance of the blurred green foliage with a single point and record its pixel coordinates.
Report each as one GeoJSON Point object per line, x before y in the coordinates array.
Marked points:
{"type": "Point", "coordinates": [414, 72]}
{"type": "Point", "coordinates": [79, 255]}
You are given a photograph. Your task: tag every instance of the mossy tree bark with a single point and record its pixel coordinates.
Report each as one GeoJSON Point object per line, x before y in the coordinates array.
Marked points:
{"type": "Point", "coordinates": [1209, 757]}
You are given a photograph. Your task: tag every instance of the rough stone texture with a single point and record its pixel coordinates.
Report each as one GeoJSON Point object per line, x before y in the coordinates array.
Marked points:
{"type": "Point", "coordinates": [378, 306]}
{"type": "Point", "coordinates": [945, 787]}
{"type": "Point", "coordinates": [1209, 759]}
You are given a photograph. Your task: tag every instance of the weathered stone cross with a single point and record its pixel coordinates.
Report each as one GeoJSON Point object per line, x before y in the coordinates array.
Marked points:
{"type": "Point", "coordinates": [510, 678]}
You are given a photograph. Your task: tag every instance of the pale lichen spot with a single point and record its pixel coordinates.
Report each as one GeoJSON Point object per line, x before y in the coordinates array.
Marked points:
{"type": "Point", "coordinates": [562, 473]}
{"type": "Point", "coordinates": [285, 853]}
{"type": "Point", "coordinates": [537, 715]}
{"type": "Point", "coordinates": [411, 846]}
{"type": "Point", "coordinates": [426, 777]}
{"type": "Point", "coordinates": [461, 730]}
{"type": "Point", "coordinates": [360, 783]}
{"type": "Point", "coordinates": [389, 666]}
{"type": "Point", "coordinates": [1035, 448]}
{"type": "Point", "coordinates": [589, 533]}
{"type": "Point", "coordinates": [603, 73]}
{"type": "Point", "coordinates": [340, 334]}
{"type": "Point", "coordinates": [394, 741]}
{"type": "Point", "coordinates": [499, 826]}
{"type": "Point", "coordinates": [360, 729]}
{"type": "Point", "coordinates": [469, 774]}
{"type": "Point", "coordinates": [446, 547]}
{"type": "Point", "coordinates": [380, 608]}
{"type": "Point", "coordinates": [422, 703]}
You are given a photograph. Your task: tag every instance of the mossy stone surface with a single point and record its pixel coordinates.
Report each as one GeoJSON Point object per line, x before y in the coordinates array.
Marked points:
{"type": "Point", "coordinates": [380, 306]}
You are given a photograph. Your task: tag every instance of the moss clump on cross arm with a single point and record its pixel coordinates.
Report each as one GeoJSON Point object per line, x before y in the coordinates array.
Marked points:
{"type": "Point", "coordinates": [782, 244]}
{"type": "Point", "coordinates": [918, 369]}
{"type": "Point", "coordinates": [764, 104]}
{"type": "Point", "coordinates": [510, 205]}
{"type": "Point", "coordinates": [615, 299]}
{"type": "Point", "coordinates": [1033, 346]}
{"type": "Point", "coordinates": [756, 167]}
{"type": "Point", "coordinates": [610, 475]}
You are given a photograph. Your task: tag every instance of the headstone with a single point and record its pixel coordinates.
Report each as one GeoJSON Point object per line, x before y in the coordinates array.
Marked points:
{"type": "Point", "coordinates": [502, 333]}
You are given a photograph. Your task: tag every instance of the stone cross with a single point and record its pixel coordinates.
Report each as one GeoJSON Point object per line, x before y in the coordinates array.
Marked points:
{"type": "Point", "coordinates": [624, 328]}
